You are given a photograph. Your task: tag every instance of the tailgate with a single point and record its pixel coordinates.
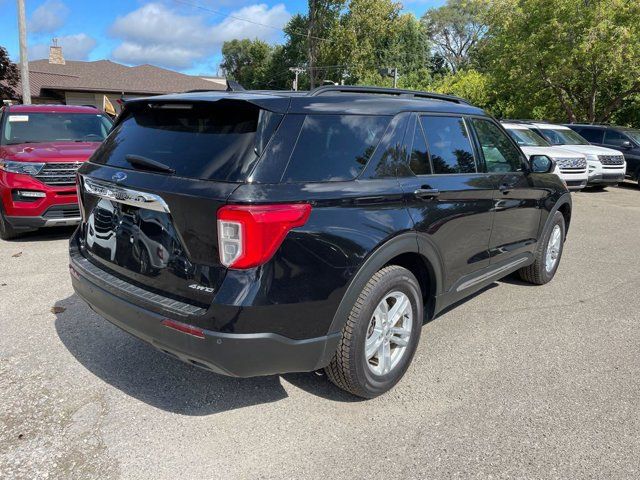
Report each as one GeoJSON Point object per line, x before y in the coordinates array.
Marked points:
{"type": "Point", "coordinates": [151, 192]}
{"type": "Point", "coordinates": [164, 241]}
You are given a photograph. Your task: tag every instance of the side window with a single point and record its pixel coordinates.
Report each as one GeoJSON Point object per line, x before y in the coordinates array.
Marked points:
{"type": "Point", "coordinates": [419, 159]}
{"type": "Point", "coordinates": [449, 144]}
{"type": "Point", "coordinates": [593, 135]}
{"type": "Point", "coordinates": [611, 137]}
{"type": "Point", "coordinates": [333, 148]}
{"type": "Point", "coordinates": [500, 154]}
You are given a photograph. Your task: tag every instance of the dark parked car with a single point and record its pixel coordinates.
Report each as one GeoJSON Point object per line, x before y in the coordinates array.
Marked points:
{"type": "Point", "coordinates": [627, 140]}
{"type": "Point", "coordinates": [308, 231]}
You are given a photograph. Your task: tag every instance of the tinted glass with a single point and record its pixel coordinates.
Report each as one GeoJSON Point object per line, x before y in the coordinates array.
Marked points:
{"type": "Point", "coordinates": [562, 136]}
{"type": "Point", "coordinates": [219, 141]}
{"type": "Point", "coordinates": [449, 144]}
{"type": "Point", "coordinates": [611, 137]}
{"type": "Point", "coordinates": [527, 138]}
{"type": "Point", "coordinates": [634, 135]}
{"type": "Point", "coordinates": [593, 135]}
{"type": "Point", "coordinates": [52, 127]}
{"type": "Point", "coordinates": [500, 154]}
{"type": "Point", "coordinates": [419, 160]}
{"type": "Point", "coordinates": [334, 147]}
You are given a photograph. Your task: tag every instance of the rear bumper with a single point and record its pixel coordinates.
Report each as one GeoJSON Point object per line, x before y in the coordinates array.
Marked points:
{"type": "Point", "coordinates": [239, 355]}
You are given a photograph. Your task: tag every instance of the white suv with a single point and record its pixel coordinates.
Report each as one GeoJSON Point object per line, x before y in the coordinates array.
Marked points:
{"type": "Point", "coordinates": [572, 166]}
{"type": "Point", "coordinates": [606, 166]}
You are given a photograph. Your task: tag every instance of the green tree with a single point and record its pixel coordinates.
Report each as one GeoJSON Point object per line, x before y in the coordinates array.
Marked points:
{"type": "Point", "coordinates": [321, 23]}
{"type": "Point", "coordinates": [247, 62]}
{"type": "Point", "coordinates": [577, 59]}
{"type": "Point", "coordinates": [470, 85]}
{"type": "Point", "coordinates": [455, 29]}
{"type": "Point", "coordinates": [9, 76]}
{"type": "Point", "coordinates": [374, 35]}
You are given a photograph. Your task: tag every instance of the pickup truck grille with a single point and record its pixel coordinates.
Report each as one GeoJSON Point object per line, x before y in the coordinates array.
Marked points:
{"type": "Point", "coordinates": [611, 159]}
{"type": "Point", "coordinates": [59, 174]}
{"type": "Point", "coordinates": [579, 163]}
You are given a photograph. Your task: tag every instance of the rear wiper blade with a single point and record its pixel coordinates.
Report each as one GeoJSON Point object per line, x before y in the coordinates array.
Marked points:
{"type": "Point", "coordinates": [139, 161]}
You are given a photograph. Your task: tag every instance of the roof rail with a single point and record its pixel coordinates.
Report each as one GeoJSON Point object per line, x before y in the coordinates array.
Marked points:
{"type": "Point", "coordinates": [385, 91]}
{"type": "Point", "coordinates": [519, 120]}
{"type": "Point", "coordinates": [594, 124]}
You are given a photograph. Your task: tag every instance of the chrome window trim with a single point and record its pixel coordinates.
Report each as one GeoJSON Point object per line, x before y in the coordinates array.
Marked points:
{"type": "Point", "coordinates": [124, 195]}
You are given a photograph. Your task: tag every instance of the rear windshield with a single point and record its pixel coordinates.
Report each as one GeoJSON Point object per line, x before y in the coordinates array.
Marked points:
{"type": "Point", "coordinates": [54, 127]}
{"type": "Point", "coordinates": [333, 148]}
{"type": "Point", "coordinates": [219, 141]}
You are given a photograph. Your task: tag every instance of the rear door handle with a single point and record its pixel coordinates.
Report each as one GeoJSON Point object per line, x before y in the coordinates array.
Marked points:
{"type": "Point", "coordinates": [426, 193]}
{"type": "Point", "coordinates": [505, 188]}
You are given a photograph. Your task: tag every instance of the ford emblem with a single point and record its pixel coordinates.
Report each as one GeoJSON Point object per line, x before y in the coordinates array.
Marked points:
{"type": "Point", "coordinates": [119, 176]}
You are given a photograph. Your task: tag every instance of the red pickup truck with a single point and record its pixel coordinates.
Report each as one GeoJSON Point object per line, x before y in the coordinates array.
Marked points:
{"type": "Point", "coordinates": [41, 147]}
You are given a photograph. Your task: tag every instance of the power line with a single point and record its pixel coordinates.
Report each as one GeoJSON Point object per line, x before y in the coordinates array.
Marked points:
{"type": "Point", "coordinates": [242, 19]}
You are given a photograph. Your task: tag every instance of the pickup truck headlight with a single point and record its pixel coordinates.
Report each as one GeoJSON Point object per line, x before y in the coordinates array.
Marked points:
{"type": "Point", "coordinates": [26, 168]}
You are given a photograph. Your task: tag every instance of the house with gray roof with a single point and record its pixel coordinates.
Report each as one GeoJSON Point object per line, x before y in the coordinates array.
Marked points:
{"type": "Point", "coordinates": [59, 81]}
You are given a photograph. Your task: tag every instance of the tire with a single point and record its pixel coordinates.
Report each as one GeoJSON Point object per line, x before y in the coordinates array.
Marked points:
{"type": "Point", "coordinates": [350, 369]}
{"type": "Point", "coordinates": [538, 273]}
{"type": "Point", "coordinates": [6, 231]}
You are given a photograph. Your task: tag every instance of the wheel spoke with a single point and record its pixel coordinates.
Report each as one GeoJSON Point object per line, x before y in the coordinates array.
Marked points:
{"type": "Point", "coordinates": [384, 357]}
{"type": "Point", "coordinates": [373, 343]}
{"type": "Point", "coordinates": [401, 332]}
{"type": "Point", "coordinates": [401, 342]}
{"type": "Point", "coordinates": [398, 309]}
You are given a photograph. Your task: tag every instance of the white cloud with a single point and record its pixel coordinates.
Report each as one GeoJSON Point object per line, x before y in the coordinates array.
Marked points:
{"type": "Point", "coordinates": [74, 47]}
{"type": "Point", "coordinates": [48, 17]}
{"type": "Point", "coordinates": [157, 34]}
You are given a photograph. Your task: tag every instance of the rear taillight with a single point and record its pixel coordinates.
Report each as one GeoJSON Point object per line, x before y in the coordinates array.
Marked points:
{"type": "Point", "coordinates": [249, 235]}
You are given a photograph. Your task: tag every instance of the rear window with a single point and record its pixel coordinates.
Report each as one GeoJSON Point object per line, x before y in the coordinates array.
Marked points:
{"type": "Point", "coordinates": [334, 147]}
{"type": "Point", "coordinates": [210, 141]}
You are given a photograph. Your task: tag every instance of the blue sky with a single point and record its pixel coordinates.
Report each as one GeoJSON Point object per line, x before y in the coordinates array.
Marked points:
{"type": "Point", "coordinates": [184, 35]}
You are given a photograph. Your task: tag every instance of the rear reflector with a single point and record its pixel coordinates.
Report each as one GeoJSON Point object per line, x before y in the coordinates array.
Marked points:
{"type": "Point", "coordinates": [184, 328]}
{"type": "Point", "coordinates": [249, 235]}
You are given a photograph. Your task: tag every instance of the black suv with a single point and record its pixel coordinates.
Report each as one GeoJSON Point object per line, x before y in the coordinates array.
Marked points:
{"type": "Point", "coordinates": [627, 140]}
{"type": "Point", "coordinates": [255, 233]}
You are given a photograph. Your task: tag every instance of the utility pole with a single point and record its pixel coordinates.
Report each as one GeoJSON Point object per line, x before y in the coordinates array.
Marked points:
{"type": "Point", "coordinates": [24, 59]}
{"type": "Point", "coordinates": [395, 77]}
{"type": "Point", "coordinates": [297, 71]}
{"type": "Point", "coordinates": [312, 42]}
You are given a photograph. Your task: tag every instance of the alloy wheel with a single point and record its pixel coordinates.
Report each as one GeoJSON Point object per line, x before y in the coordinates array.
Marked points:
{"type": "Point", "coordinates": [553, 248]}
{"type": "Point", "coordinates": [389, 333]}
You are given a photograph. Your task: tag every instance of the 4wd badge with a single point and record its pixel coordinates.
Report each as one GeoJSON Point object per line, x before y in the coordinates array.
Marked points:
{"type": "Point", "coordinates": [201, 288]}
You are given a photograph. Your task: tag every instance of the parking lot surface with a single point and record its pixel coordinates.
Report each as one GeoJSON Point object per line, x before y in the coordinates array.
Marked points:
{"type": "Point", "coordinates": [517, 382]}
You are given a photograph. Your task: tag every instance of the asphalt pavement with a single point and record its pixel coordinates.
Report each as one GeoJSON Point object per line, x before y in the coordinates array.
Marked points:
{"type": "Point", "coordinates": [516, 382]}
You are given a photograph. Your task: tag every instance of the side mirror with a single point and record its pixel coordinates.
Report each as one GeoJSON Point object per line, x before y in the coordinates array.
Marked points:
{"type": "Point", "coordinates": [541, 164]}
{"type": "Point", "coordinates": [626, 144]}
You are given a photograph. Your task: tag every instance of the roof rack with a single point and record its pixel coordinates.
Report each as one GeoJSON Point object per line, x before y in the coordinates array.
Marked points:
{"type": "Point", "coordinates": [385, 91]}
